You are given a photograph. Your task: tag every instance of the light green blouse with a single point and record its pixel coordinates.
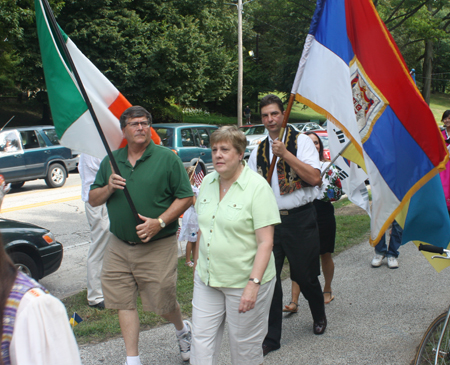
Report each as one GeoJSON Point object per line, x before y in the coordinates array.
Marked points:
{"type": "Point", "coordinates": [228, 242]}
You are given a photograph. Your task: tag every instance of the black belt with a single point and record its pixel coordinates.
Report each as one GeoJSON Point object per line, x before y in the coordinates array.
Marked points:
{"type": "Point", "coordinates": [296, 210]}
{"type": "Point", "coordinates": [137, 243]}
{"type": "Point", "coordinates": [131, 243]}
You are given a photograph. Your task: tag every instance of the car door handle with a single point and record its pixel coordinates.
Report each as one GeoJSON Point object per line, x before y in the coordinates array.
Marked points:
{"type": "Point", "coordinates": [202, 153]}
{"type": "Point", "coordinates": [47, 152]}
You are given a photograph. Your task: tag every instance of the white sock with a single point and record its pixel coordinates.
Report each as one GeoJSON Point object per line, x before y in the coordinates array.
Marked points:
{"type": "Point", "coordinates": [183, 330]}
{"type": "Point", "coordinates": [133, 360]}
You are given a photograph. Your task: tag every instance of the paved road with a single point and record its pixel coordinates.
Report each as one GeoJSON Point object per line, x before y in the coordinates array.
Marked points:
{"type": "Point", "coordinates": [378, 317]}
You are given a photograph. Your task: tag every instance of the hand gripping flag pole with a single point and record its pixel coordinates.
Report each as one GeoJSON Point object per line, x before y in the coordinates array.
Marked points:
{"type": "Point", "coordinates": [63, 46]}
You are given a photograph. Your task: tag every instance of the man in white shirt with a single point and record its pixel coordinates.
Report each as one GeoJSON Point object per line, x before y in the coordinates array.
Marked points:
{"type": "Point", "coordinates": [297, 237]}
{"type": "Point", "coordinates": [99, 225]}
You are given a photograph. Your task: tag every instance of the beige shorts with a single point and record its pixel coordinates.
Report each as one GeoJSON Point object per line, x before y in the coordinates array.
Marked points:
{"type": "Point", "coordinates": [150, 269]}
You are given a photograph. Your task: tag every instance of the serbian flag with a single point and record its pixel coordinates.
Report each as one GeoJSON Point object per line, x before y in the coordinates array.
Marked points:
{"type": "Point", "coordinates": [352, 72]}
{"type": "Point", "coordinates": [73, 122]}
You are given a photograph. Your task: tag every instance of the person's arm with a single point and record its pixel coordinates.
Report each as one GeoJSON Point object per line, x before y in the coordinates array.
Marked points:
{"type": "Point", "coordinates": [151, 226]}
{"type": "Point", "coordinates": [306, 172]}
{"type": "Point", "coordinates": [100, 196]}
{"type": "Point", "coordinates": [264, 238]}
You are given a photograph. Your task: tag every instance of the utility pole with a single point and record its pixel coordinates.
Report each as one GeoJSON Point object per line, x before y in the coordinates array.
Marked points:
{"type": "Point", "coordinates": [240, 9]}
{"type": "Point", "coordinates": [240, 64]}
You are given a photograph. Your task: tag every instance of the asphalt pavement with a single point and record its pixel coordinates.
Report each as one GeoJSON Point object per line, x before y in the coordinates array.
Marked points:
{"type": "Point", "coordinates": [378, 317]}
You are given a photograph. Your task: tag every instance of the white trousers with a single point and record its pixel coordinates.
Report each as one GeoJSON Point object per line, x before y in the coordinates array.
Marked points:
{"type": "Point", "coordinates": [98, 220]}
{"type": "Point", "coordinates": [210, 308]}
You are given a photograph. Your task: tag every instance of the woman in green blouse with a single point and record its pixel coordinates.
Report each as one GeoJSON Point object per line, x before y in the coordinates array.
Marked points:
{"type": "Point", "coordinates": [235, 268]}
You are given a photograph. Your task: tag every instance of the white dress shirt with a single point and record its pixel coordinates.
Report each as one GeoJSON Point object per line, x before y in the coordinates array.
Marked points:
{"type": "Point", "coordinates": [87, 167]}
{"type": "Point", "coordinates": [307, 153]}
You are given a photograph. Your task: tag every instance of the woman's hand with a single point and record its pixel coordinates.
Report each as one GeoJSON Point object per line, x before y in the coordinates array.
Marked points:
{"type": "Point", "coordinates": [248, 298]}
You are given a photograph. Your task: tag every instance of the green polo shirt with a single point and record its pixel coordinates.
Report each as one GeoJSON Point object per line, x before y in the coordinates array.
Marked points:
{"type": "Point", "coordinates": [156, 180]}
{"type": "Point", "coordinates": [228, 242]}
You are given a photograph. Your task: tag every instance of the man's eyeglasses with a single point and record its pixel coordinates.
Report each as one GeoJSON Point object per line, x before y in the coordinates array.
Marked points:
{"type": "Point", "coordinates": [137, 124]}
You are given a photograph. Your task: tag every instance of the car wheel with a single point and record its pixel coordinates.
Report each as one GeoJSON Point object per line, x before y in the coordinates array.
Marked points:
{"type": "Point", "coordinates": [17, 185]}
{"type": "Point", "coordinates": [56, 176]}
{"type": "Point", "coordinates": [25, 264]}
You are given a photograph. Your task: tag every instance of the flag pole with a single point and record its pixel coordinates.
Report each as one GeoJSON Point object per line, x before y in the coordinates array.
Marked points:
{"type": "Point", "coordinates": [335, 158]}
{"type": "Point", "coordinates": [280, 137]}
{"type": "Point", "coordinates": [195, 166]}
{"type": "Point", "coordinates": [53, 22]}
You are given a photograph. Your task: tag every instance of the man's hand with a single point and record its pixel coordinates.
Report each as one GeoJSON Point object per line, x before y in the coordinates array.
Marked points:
{"type": "Point", "coordinates": [279, 149]}
{"type": "Point", "coordinates": [148, 229]}
{"type": "Point", "coordinates": [248, 298]}
{"type": "Point", "coordinates": [116, 182]}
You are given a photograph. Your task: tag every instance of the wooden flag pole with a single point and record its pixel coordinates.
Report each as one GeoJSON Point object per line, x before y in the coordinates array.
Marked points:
{"type": "Point", "coordinates": [195, 166]}
{"type": "Point", "coordinates": [280, 137]}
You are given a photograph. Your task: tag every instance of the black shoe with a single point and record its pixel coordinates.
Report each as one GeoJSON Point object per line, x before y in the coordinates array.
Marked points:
{"type": "Point", "coordinates": [267, 349]}
{"type": "Point", "coordinates": [320, 326]}
{"type": "Point", "coordinates": [100, 305]}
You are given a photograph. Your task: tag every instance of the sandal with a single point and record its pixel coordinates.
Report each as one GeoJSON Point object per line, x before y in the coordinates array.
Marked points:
{"type": "Point", "coordinates": [287, 308]}
{"type": "Point", "coordinates": [331, 297]}
{"type": "Point", "coordinates": [189, 263]}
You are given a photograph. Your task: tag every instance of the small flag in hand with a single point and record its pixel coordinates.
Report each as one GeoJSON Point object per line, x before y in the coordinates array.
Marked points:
{"type": "Point", "coordinates": [198, 175]}
{"type": "Point", "coordinates": [75, 319]}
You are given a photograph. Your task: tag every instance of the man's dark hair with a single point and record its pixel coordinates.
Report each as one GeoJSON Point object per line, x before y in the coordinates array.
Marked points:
{"type": "Point", "coordinates": [271, 99]}
{"type": "Point", "coordinates": [136, 111]}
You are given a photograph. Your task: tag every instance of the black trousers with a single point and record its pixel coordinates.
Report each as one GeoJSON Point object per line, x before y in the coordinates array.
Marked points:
{"type": "Point", "coordinates": [297, 238]}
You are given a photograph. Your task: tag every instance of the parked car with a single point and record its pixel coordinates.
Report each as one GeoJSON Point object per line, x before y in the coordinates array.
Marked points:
{"type": "Point", "coordinates": [308, 126]}
{"type": "Point", "coordinates": [255, 134]}
{"type": "Point", "coordinates": [33, 249]}
{"type": "Point", "coordinates": [189, 141]}
{"type": "Point", "coordinates": [30, 153]}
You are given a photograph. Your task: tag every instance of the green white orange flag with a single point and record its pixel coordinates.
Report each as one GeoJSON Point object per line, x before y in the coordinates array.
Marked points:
{"type": "Point", "coordinates": [73, 122]}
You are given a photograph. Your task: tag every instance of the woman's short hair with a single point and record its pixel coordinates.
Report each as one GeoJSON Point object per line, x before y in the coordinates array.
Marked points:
{"type": "Point", "coordinates": [445, 115]}
{"type": "Point", "coordinates": [132, 112]}
{"type": "Point", "coordinates": [321, 157]}
{"type": "Point", "coordinates": [230, 134]}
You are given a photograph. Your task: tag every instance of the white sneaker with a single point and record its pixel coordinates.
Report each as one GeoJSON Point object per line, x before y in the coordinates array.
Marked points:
{"type": "Point", "coordinates": [392, 262]}
{"type": "Point", "coordinates": [184, 341]}
{"type": "Point", "coordinates": [376, 261]}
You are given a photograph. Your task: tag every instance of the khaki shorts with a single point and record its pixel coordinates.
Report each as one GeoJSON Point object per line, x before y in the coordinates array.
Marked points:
{"type": "Point", "coordinates": [150, 269]}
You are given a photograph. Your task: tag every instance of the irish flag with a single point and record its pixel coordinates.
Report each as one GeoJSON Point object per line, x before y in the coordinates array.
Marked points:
{"type": "Point", "coordinates": [73, 122]}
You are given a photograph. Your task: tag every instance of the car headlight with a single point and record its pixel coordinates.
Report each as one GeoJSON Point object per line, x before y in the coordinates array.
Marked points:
{"type": "Point", "coordinates": [256, 141]}
{"type": "Point", "coordinates": [49, 238]}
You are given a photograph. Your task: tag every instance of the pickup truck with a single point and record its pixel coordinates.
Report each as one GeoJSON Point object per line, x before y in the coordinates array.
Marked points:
{"type": "Point", "coordinates": [30, 153]}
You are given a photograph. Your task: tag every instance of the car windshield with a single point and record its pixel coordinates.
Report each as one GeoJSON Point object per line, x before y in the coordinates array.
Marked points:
{"type": "Point", "coordinates": [259, 129]}
{"type": "Point", "coordinates": [166, 135]}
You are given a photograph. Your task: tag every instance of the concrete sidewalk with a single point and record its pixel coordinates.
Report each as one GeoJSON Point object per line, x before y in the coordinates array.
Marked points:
{"type": "Point", "coordinates": [378, 317]}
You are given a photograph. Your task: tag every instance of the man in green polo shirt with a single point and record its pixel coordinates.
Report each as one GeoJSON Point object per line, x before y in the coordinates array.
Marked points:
{"type": "Point", "coordinates": [143, 257]}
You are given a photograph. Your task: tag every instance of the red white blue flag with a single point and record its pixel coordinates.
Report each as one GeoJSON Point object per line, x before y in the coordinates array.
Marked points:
{"type": "Point", "coordinates": [352, 72]}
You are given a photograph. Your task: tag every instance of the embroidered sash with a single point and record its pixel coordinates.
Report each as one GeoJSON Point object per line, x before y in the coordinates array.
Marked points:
{"type": "Point", "coordinates": [288, 180]}
{"type": "Point", "coordinates": [21, 286]}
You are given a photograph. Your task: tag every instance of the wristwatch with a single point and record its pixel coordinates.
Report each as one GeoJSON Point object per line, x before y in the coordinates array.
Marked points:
{"type": "Point", "coordinates": [255, 280]}
{"type": "Point", "coordinates": [161, 223]}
